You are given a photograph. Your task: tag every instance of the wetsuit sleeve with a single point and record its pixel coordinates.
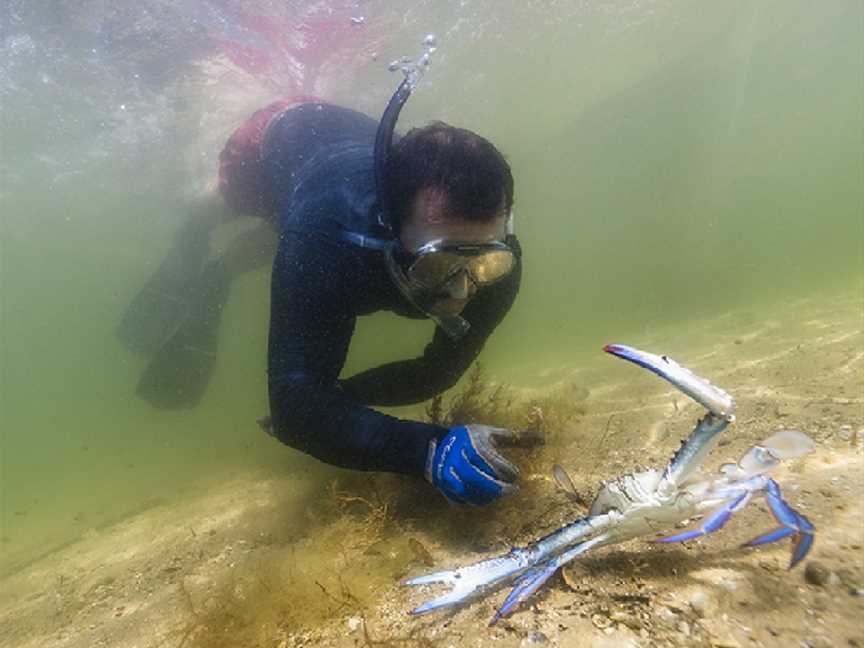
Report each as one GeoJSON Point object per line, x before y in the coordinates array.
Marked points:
{"type": "Point", "coordinates": [444, 360]}
{"type": "Point", "coordinates": [311, 325]}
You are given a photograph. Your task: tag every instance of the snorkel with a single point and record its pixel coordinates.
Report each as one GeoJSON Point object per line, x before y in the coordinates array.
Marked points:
{"type": "Point", "coordinates": [413, 71]}
{"type": "Point", "coordinates": [453, 325]}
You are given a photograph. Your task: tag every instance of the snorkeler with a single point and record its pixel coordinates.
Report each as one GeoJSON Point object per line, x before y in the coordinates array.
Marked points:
{"type": "Point", "coordinates": [421, 227]}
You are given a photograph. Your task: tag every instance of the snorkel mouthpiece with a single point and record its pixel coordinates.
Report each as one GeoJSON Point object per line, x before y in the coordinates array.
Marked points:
{"type": "Point", "coordinates": [454, 326]}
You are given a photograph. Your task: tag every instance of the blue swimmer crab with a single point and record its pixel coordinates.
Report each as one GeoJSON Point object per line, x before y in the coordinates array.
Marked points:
{"type": "Point", "coordinates": [637, 504]}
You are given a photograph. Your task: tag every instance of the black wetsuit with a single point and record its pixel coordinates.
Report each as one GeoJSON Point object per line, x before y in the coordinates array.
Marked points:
{"type": "Point", "coordinates": [318, 163]}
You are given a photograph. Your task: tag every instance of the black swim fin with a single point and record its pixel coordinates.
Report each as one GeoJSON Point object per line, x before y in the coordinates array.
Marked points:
{"type": "Point", "coordinates": [179, 372]}
{"type": "Point", "coordinates": [153, 317]}
{"type": "Point", "coordinates": [160, 307]}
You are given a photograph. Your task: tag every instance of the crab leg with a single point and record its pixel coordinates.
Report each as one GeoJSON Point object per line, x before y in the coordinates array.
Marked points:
{"type": "Point", "coordinates": [792, 524]}
{"type": "Point", "coordinates": [786, 444]}
{"type": "Point", "coordinates": [534, 578]}
{"type": "Point", "coordinates": [690, 456]}
{"type": "Point", "coordinates": [765, 456]}
{"type": "Point", "coordinates": [714, 522]}
{"type": "Point", "coordinates": [472, 580]}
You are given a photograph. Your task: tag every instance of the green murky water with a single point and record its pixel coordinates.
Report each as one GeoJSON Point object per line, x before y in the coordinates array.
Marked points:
{"type": "Point", "coordinates": [672, 160]}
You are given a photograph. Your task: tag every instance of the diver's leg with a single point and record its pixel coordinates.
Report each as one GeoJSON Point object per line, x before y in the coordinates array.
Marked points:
{"type": "Point", "coordinates": [180, 370]}
{"type": "Point", "coordinates": [161, 305]}
{"type": "Point", "coordinates": [250, 250]}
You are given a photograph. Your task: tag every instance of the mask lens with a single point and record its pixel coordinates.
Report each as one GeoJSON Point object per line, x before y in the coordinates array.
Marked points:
{"type": "Point", "coordinates": [433, 269]}
{"type": "Point", "coordinates": [490, 267]}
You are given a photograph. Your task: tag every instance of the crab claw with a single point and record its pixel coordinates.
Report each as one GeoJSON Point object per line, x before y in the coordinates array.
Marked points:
{"type": "Point", "coordinates": [462, 589]}
{"type": "Point", "coordinates": [792, 524]}
{"type": "Point", "coordinates": [469, 581]}
{"type": "Point", "coordinates": [714, 399]}
{"type": "Point", "coordinates": [451, 598]}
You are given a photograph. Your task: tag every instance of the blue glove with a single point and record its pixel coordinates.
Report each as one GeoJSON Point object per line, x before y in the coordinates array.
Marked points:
{"type": "Point", "coordinates": [465, 465]}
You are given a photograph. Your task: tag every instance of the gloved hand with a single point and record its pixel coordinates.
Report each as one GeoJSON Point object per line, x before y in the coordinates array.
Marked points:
{"type": "Point", "coordinates": [465, 465]}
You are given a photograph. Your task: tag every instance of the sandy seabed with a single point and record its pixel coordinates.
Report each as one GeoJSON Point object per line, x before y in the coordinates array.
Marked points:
{"type": "Point", "coordinates": [287, 561]}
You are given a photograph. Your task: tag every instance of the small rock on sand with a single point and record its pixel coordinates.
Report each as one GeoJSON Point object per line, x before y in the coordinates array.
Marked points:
{"type": "Point", "coordinates": [817, 574]}
{"type": "Point", "coordinates": [702, 603]}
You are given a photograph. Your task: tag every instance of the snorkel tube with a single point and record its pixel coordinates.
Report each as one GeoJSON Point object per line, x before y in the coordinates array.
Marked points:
{"type": "Point", "coordinates": [413, 71]}
{"type": "Point", "coordinates": [383, 142]}
{"type": "Point", "coordinates": [453, 325]}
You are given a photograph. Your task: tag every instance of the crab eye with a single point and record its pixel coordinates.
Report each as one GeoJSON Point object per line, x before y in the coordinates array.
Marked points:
{"type": "Point", "coordinates": [665, 359]}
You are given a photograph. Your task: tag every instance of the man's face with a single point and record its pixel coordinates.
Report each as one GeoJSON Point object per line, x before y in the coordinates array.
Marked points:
{"type": "Point", "coordinates": [428, 221]}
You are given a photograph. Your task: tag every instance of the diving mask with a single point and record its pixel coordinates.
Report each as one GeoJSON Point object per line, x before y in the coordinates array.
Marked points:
{"type": "Point", "coordinates": [422, 275]}
{"type": "Point", "coordinates": [434, 264]}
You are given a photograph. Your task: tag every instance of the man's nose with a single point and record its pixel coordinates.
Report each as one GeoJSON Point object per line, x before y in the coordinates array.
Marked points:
{"type": "Point", "coordinates": [460, 286]}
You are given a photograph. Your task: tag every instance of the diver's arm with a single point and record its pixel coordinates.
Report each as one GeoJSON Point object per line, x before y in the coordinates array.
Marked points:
{"type": "Point", "coordinates": [444, 360]}
{"type": "Point", "coordinates": [311, 325]}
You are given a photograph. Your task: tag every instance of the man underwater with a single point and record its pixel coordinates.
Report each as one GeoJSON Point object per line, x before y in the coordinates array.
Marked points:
{"type": "Point", "coordinates": [420, 227]}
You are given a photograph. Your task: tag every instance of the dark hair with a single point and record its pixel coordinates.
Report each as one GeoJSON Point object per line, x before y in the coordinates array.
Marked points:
{"type": "Point", "coordinates": [472, 172]}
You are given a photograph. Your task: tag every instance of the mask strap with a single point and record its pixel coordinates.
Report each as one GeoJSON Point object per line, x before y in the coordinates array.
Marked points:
{"type": "Point", "coordinates": [361, 240]}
